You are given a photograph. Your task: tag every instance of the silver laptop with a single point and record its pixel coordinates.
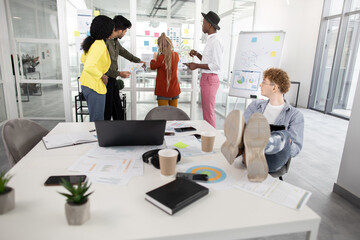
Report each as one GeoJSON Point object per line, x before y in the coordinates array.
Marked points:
{"type": "Point", "coordinates": [130, 132]}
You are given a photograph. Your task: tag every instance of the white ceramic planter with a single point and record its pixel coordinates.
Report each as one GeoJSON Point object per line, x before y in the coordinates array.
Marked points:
{"type": "Point", "coordinates": [77, 214]}
{"type": "Point", "coordinates": [7, 200]}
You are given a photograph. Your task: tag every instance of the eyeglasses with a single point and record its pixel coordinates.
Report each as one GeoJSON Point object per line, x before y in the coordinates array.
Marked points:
{"type": "Point", "coordinates": [265, 83]}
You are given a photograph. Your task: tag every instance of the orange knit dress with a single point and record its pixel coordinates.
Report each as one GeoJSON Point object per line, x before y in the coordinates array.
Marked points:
{"type": "Point", "coordinates": [160, 87]}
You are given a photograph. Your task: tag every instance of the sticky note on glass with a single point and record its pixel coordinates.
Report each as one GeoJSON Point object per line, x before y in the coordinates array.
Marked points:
{"type": "Point", "coordinates": [254, 39]}
{"type": "Point", "coordinates": [180, 145]}
{"type": "Point", "coordinates": [96, 12]}
{"type": "Point", "coordinates": [156, 34]}
{"type": "Point", "coordinates": [155, 41]}
{"type": "Point", "coordinates": [76, 33]}
{"type": "Point", "coordinates": [273, 54]}
{"type": "Point", "coordinates": [186, 31]}
{"type": "Point", "coordinates": [186, 41]}
{"type": "Point", "coordinates": [277, 38]}
{"type": "Point", "coordinates": [146, 43]}
{"type": "Point", "coordinates": [154, 49]}
{"type": "Point", "coordinates": [147, 33]}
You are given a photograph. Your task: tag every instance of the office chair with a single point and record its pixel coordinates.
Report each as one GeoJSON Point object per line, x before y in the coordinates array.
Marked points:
{"type": "Point", "coordinates": [279, 173]}
{"type": "Point", "coordinates": [19, 137]}
{"type": "Point", "coordinates": [166, 113]}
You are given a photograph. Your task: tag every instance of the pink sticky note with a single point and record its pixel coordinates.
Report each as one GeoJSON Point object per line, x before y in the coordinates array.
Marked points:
{"type": "Point", "coordinates": [147, 33]}
{"type": "Point", "coordinates": [156, 34]}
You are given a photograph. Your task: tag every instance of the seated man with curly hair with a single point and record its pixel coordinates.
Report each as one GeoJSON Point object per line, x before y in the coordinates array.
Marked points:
{"type": "Point", "coordinates": [283, 144]}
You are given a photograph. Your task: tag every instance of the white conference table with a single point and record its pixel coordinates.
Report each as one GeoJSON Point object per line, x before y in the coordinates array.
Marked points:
{"type": "Point", "coordinates": [121, 212]}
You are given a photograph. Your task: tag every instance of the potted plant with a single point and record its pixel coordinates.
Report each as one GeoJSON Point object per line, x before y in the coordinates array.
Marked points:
{"type": "Point", "coordinates": [7, 194]}
{"type": "Point", "coordinates": [77, 206]}
{"type": "Point", "coordinates": [29, 63]}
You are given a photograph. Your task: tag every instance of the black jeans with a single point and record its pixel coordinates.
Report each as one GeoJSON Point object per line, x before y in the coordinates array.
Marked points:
{"type": "Point", "coordinates": [113, 105]}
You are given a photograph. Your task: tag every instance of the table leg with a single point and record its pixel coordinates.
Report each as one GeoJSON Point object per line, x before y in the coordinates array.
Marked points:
{"type": "Point", "coordinates": [312, 234]}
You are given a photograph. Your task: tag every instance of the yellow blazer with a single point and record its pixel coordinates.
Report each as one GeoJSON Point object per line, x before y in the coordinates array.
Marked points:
{"type": "Point", "coordinates": [96, 63]}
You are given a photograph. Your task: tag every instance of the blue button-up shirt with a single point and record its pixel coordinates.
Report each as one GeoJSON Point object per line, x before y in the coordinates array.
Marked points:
{"type": "Point", "coordinates": [290, 117]}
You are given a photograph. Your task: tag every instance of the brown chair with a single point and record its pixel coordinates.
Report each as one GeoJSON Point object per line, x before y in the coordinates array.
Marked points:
{"type": "Point", "coordinates": [166, 113]}
{"type": "Point", "coordinates": [19, 137]}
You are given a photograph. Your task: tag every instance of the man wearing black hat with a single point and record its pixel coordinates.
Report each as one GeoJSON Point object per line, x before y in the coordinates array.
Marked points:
{"type": "Point", "coordinates": [210, 66]}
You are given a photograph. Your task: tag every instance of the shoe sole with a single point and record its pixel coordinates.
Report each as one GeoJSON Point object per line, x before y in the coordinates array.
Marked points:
{"type": "Point", "coordinates": [256, 136]}
{"type": "Point", "coordinates": [233, 130]}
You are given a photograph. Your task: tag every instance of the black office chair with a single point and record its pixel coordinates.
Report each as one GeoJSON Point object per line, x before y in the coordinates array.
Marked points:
{"type": "Point", "coordinates": [81, 108]}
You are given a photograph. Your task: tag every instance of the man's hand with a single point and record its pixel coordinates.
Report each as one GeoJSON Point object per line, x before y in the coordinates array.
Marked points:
{"type": "Point", "coordinates": [104, 78]}
{"type": "Point", "coordinates": [192, 65]}
{"type": "Point", "coordinates": [124, 74]}
{"type": "Point", "coordinates": [144, 64]}
{"type": "Point", "coordinates": [155, 55]}
{"type": "Point", "coordinates": [193, 53]}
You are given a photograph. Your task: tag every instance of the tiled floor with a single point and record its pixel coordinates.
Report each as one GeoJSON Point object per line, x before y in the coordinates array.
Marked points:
{"type": "Point", "coordinates": [315, 169]}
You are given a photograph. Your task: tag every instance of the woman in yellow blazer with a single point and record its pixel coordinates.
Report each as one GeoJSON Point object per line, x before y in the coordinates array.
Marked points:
{"type": "Point", "coordinates": [96, 62]}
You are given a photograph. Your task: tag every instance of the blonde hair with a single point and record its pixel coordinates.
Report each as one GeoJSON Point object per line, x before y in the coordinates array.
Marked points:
{"type": "Point", "coordinates": [166, 47]}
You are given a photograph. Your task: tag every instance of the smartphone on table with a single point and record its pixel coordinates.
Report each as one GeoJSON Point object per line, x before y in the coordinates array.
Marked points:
{"type": "Point", "coordinates": [56, 180]}
{"type": "Point", "coordinates": [185, 129]}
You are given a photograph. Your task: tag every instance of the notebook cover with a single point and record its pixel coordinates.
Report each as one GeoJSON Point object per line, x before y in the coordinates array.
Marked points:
{"type": "Point", "coordinates": [176, 195]}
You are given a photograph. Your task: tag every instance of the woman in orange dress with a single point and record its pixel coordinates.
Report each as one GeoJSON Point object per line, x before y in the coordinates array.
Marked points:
{"type": "Point", "coordinates": [167, 87]}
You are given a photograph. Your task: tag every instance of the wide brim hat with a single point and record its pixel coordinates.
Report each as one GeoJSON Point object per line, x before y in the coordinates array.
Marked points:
{"type": "Point", "coordinates": [212, 18]}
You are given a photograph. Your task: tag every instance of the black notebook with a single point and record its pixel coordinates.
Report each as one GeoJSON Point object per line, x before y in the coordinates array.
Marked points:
{"type": "Point", "coordinates": [176, 195]}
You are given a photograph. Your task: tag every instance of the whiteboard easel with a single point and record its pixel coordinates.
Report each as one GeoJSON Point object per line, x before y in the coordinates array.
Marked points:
{"type": "Point", "coordinates": [255, 52]}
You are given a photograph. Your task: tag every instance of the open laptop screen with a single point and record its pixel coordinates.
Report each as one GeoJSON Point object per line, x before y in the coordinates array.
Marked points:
{"type": "Point", "coordinates": [130, 132]}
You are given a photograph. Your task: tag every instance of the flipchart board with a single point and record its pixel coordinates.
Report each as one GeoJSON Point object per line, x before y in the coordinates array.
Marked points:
{"type": "Point", "coordinates": [256, 52]}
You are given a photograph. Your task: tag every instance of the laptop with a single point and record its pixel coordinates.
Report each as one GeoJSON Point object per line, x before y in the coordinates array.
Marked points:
{"type": "Point", "coordinates": [130, 132]}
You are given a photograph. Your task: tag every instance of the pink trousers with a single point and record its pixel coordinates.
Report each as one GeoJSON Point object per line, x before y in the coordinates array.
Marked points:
{"type": "Point", "coordinates": [209, 84]}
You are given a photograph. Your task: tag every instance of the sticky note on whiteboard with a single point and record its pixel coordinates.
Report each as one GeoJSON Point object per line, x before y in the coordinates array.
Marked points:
{"type": "Point", "coordinates": [77, 34]}
{"type": "Point", "coordinates": [273, 54]}
{"type": "Point", "coordinates": [277, 38]}
{"type": "Point", "coordinates": [254, 39]}
{"type": "Point", "coordinates": [96, 12]}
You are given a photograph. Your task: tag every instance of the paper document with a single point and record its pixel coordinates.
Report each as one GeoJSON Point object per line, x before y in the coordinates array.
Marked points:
{"type": "Point", "coordinates": [68, 139]}
{"type": "Point", "coordinates": [276, 190]}
{"type": "Point", "coordinates": [187, 145]}
{"type": "Point", "coordinates": [112, 165]}
{"type": "Point", "coordinates": [133, 67]}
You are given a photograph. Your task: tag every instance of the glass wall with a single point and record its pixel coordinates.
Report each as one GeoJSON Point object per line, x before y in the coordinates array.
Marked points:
{"type": "Point", "coordinates": [3, 115]}
{"type": "Point", "coordinates": [35, 35]}
{"type": "Point", "coordinates": [337, 64]}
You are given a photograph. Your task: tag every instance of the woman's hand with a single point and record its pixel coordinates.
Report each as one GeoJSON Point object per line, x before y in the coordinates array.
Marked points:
{"type": "Point", "coordinates": [124, 74]}
{"type": "Point", "coordinates": [104, 78]}
{"type": "Point", "coordinates": [155, 55]}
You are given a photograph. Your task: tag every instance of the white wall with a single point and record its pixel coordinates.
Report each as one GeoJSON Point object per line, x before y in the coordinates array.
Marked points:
{"type": "Point", "coordinates": [300, 19]}
{"type": "Point", "coordinates": [349, 177]}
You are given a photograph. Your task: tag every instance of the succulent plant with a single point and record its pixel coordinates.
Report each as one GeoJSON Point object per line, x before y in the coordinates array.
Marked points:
{"type": "Point", "coordinates": [4, 179]}
{"type": "Point", "coordinates": [77, 194]}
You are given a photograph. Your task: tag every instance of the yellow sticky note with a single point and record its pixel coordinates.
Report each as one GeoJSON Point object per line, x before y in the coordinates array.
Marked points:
{"type": "Point", "coordinates": [155, 41]}
{"type": "Point", "coordinates": [96, 12]}
{"type": "Point", "coordinates": [76, 33]}
{"type": "Point", "coordinates": [186, 41]}
{"type": "Point", "coordinates": [180, 145]}
{"type": "Point", "coordinates": [186, 31]}
{"type": "Point", "coordinates": [277, 38]}
{"type": "Point", "coordinates": [273, 54]}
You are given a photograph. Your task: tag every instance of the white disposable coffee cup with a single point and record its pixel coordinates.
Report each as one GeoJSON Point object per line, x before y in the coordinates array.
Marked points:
{"type": "Point", "coordinates": [207, 141]}
{"type": "Point", "coordinates": [168, 159]}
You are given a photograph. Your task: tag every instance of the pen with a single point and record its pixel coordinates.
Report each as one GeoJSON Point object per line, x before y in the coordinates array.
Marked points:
{"type": "Point", "coordinates": [92, 130]}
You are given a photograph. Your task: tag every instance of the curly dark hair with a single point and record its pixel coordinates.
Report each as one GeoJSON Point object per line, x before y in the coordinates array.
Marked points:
{"type": "Point", "coordinates": [101, 28]}
{"type": "Point", "coordinates": [279, 77]}
{"type": "Point", "coordinates": [121, 23]}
